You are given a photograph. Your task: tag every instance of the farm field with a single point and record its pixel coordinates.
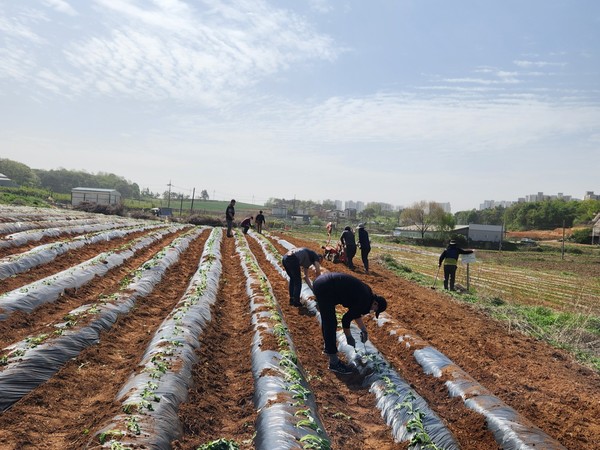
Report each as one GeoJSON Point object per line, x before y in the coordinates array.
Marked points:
{"type": "Point", "coordinates": [531, 278]}
{"type": "Point", "coordinates": [172, 336]}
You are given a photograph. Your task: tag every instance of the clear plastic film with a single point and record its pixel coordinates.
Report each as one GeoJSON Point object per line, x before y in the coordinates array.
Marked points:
{"type": "Point", "coordinates": [35, 359]}
{"type": "Point", "coordinates": [47, 290]}
{"type": "Point", "coordinates": [511, 430]}
{"type": "Point", "coordinates": [287, 413]}
{"type": "Point", "coordinates": [152, 396]}
{"type": "Point", "coordinates": [398, 403]}
{"type": "Point", "coordinates": [42, 254]}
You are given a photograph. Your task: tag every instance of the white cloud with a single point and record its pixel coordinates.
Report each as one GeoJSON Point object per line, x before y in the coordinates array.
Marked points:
{"type": "Point", "coordinates": [528, 64]}
{"type": "Point", "coordinates": [61, 6]}
{"type": "Point", "coordinates": [167, 49]}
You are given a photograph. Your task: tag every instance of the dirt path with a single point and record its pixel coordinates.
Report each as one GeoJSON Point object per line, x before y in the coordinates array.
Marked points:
{"type": "Point", "coordinates": [220, 403]}
{"type": "Point", "coordinates": [542, 383]}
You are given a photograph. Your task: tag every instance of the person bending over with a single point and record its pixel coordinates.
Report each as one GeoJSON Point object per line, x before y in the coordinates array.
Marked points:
{"type": "Point", "coordinates": [335, 288]}
{"type": "Point", "coordinates": [292, 262]}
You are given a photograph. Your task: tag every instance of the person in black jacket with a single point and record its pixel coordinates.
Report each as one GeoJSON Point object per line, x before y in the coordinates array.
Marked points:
{"type": "Point", "coordinates": [229, 216]}
{"type": "Point", "coordinates": [450, 259]}
{"type": "Point", "coordinates": [335, 288]}
{"type": "Point", "coordinates": [365, 245]}
{"type": "Point", "coordinates": [349, 243]}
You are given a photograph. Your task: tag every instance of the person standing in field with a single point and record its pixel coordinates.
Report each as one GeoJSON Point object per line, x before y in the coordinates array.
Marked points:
{"type": "Point", "coordinates": [450, 259]}
{"type": "Point", "coordinates": [246, 224]}
{"type": "Point", "coordinates": [292, 262]}
{"type": "Point", "coordinates": [365, 245]}
{"type": "Point", "coordinates": [259, 221]}
{"type": "Point", "coordinates": [229, 216]}
{"type": "Point", "coordinates": [349, 243]}
{"type": "Point", "coordinates": [329, 228]}
{"type": "Point", "coordinates": [335, 288]}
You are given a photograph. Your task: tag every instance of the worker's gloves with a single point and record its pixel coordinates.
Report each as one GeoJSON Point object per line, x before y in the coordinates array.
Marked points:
{"type": "Point", "coordinates": [350, 340]}
{"type": "Point", "coordinates": [364, 336]}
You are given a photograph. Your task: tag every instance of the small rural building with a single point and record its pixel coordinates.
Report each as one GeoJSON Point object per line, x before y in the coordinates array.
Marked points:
{"type": "Point", "coordinates": [414, 232]}
{"type": "Point", "coordinates": [472, 232]}
{"type": "Point", "coordinates": [280, 212]}
{"type": "Point", "coordinates": [484, 233]}
{"type": "Point", "coordinates": [596, 229]}
{"type": "Point", "coordinates": [95, 195]}
{"type": "Point", "coordinates": [304, 218]}
{"type": "Point", "coordinates": [7, 182]}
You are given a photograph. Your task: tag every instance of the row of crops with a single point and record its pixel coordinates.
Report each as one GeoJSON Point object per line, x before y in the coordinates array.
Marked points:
{"type": "Point", "coordinates": [287, 413]}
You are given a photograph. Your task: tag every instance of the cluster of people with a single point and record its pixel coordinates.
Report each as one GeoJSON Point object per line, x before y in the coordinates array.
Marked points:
{"type": "Point", "coordinates": [332, 289]}
{"type": "Point", "coordinates": [245, 224]}
{"type": "Point", "coordinates": [348, 243]}
{"type": "Point", "coordinates": [335, 288]}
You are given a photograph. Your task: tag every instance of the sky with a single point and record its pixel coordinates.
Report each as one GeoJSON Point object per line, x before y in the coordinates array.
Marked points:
{"type": "Point", "coordinates": [393, 101]}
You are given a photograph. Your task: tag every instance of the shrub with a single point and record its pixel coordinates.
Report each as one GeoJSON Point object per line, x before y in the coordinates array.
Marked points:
{"type": "Point", "coordinates": [205, 220]}
{"type": "Point", "coordinates": [109, 210]}
{"type": "Point", "coordinates": [581, 236]}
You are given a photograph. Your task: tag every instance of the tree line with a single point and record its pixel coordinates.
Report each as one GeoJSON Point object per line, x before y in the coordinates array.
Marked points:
{"type": "Point", "coordinates": [542, 215]}
{"type": "Point", "coordinates": [63, 181]}
{"type": "Point", "coordinates": [547, 214]}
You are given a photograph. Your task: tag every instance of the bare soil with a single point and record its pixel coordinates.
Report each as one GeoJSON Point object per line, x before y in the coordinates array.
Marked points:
{"type": "Point", "coordinates": [543, 384]}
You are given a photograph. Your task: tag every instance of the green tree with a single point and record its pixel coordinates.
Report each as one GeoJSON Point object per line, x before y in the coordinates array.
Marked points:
{"type": "Point", "coordinates": [204, 195]}
{"type": "Point", "coordinates": [20, 173]}
{"type": "Point", "coordinates": [466, 217]}
{"type": "Point", "coordinates": [367, 213]}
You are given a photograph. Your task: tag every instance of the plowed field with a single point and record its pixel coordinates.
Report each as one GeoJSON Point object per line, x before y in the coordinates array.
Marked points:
{"type": "Point", "coordinates": [546, 388]}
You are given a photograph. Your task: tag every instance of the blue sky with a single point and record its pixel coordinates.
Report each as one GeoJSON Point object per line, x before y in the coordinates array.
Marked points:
{"type": "Point", "coordinates": [393, 101]}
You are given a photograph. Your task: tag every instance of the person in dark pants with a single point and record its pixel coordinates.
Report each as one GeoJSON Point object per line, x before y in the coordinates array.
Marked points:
{"type": "Point", "coordinates": [260, 220]}
{"type": "Point", "coordinates": [335, 288]}
{"type": "Point", "coordinates": [229, 216]}
{"type": "Point", "coordinates": [450, 259]}
{"type": "Point", "coordinates": [349, 243]}
{"type": "Point", "coordinates": [246, 224]}
{"type": "Point", "coordinates": [292, 262]}
{"type": "Point", "coordinates": [365, 245]}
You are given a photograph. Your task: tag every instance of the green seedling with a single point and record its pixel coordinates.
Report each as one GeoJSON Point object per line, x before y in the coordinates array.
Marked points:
{"type": "Point", "coordinates": [110, 434]}
{"type": "Point", "coordinates": [220, 444]}
{"type": "Point", "coordinates": [311, 441]}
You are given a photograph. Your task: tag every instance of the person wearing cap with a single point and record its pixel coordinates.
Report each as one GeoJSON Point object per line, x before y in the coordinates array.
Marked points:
{"type": "Point", "coordinates": [246, 224]}
{"type": "Point", "coordinates": [365, 245]}
{"type": "Point", "coordinates": [450, 259]}
{"type": "Point", "coordinates": [229, 216]}
{"type": "Point", "coordinates": [292, 262]}
{"type": "Point", "coordinates": [349, 243]}
{"type": "Point", "coordinates": [336, 288]}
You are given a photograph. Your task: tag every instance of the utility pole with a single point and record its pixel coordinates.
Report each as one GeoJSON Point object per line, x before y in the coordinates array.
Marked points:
{"type": "Point", "coordinates": [562, 252]}
{"type": "Point", "coordinates": [180, 204]}
{"type": "Point", "coordinates": [169, 199]}
{"type": "Point", "coordinates": [192, 205]}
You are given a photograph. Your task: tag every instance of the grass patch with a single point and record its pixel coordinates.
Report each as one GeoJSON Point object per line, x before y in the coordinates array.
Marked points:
{"type": "Point", "coordinates": [578, 334]}
{"type": "Point", "coordinates": [402, 270]}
